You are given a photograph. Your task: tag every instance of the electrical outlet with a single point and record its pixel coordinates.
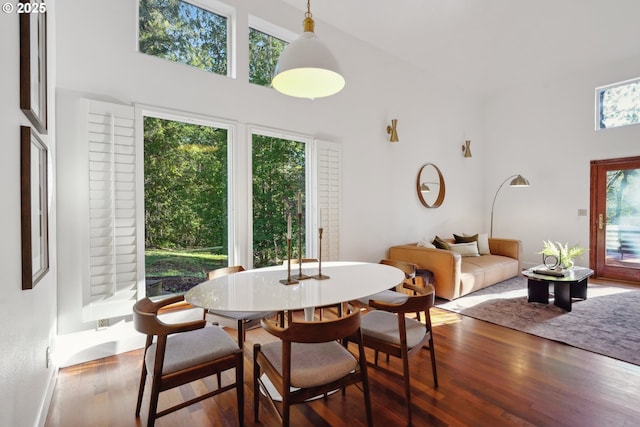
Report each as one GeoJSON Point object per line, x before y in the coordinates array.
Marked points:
{"type": "Point", "coordinates": [48, 357]}
{"type": "Point", "coordinates": [102, 324]}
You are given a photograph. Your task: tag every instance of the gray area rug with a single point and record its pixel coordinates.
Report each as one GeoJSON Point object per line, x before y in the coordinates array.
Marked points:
{"type": "Point", "coordinates": [607, 322]}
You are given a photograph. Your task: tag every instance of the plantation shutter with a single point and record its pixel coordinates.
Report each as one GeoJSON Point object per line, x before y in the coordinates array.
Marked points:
{"type": "Point", "coordinates": [329, 185]}
{"type": "Point", "coordinates": [112, 281]}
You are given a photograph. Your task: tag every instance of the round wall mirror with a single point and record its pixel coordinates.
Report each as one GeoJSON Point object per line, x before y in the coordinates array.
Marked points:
{"type": "Point", "coordinates": [430, 186]}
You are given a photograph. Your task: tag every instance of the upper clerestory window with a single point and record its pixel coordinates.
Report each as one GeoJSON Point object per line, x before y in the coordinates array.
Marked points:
{"type": "Point", "coordinates": [618, 104]}
{"type": "Point", "coordinates": [264, 51]}
{"type": "Point", "coordinates": [182, 32]}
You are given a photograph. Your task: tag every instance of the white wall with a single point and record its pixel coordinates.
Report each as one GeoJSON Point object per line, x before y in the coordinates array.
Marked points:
{"type": "Point", "coordinates": [546, 133]}
{"type": "Point", "coordinates": [380, 203]}
{"type": "Point", "coordinates": [28, 318]}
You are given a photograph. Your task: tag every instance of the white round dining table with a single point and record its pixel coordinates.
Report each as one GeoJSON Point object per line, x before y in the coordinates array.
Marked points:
{"type": "Point", "coordinates": [261, 290]}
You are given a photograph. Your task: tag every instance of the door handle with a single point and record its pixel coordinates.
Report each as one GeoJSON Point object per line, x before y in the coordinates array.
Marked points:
{"type": "Point", "coordinates": [600, 221]}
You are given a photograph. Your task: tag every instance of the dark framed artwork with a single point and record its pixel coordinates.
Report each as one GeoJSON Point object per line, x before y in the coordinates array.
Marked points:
{"type": "Point", "coordinates": [34, 195]}
{"type": "Point", "coordinates": [33, 65]}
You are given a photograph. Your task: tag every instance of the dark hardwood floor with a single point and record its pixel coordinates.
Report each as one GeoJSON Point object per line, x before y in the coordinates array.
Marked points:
{"type": "Point", "coordinates": [489, 376]}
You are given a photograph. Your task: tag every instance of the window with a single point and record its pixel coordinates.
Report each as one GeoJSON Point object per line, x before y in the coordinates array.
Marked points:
{"type": "Point", "coordinates": [184, 33]}
{"type": "Point", "coordinates": [186, 204]}
{"type": "Point", "coordinates": [618, 104]}
{"type": "Point", "coordinates": [264, 51]}
{"type": "Point", "coordinates": [279, 174]}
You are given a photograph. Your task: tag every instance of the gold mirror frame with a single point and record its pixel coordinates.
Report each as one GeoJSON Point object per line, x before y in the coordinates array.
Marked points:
{"type": "Point", "coordinates": [441, 191]}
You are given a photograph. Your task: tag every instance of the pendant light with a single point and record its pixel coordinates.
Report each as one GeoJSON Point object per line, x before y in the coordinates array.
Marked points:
{"type": "Point", "coordinates": [306, 68]}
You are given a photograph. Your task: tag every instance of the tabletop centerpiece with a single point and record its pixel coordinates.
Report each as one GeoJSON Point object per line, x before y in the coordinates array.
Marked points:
{"type": "Point", "coordinates": [555, 255]}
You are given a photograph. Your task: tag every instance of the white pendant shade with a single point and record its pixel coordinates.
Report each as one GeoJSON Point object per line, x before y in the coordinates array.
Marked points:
{"type": "Point", "coordinates": [307, 69]}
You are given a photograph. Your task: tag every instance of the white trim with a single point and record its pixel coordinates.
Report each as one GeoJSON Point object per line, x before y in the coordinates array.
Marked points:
{"type": "Point", "coordinates": [253, 129]}
{"type": "Point", "coordinates": [271, 29]}
{"type": "Point", "coordinates": [201, 120]}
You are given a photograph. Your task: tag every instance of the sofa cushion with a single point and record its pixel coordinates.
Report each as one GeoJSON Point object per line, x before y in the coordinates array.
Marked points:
{"type": "Point", "coordinates": [440, 243]}
{"type": "Point", "coordinates": [465, 249]}
{"type": "Point", "coordinates": [465, 238]}
{"type": "Point", "coordinates": [483, 242]}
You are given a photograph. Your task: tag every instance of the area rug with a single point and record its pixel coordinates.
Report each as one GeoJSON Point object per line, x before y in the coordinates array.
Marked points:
{"type": "Point", "coordinates": [607, 322]}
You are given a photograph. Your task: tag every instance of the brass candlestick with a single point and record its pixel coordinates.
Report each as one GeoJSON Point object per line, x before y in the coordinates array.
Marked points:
{"type": "Point", "coordinates": [320, 276]}
{"type": "Point", "coordinates": [300, 276]}
{"type": "Point", "coordinates": [289, 280]}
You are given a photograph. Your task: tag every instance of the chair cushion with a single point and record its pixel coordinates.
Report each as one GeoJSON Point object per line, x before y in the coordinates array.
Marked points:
{"type": "Point", "coordinates": [391, 297]}
{"type": "Point", "coordinates": [192, 348]}
{"type": "Point", "coordinates": [244, 315]}
{"type": "Point", "coordinates": [312, 364]}
{"type": "Point", "coordinates": [384, 326]}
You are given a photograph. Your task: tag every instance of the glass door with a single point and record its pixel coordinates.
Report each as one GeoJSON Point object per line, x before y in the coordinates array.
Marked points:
{"type": "Point", "coordinates": [615, 218]}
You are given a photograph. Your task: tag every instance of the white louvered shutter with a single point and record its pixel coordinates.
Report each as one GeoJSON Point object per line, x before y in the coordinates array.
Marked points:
{"type": "Point", "coordinates": [329, 196]}
{"type": "Point", "coordinates": [112, 281]}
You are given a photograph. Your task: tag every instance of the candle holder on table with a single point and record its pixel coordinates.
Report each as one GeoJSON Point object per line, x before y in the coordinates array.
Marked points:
{"type": "Point", "coordinates": [300, 275]}
{"type": "Point", "coordinates": [320, 276]}
{"type": "Point", "coordinates": [289, 280]}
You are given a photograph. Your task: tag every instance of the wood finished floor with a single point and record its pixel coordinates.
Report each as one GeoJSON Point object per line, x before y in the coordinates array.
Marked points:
{"type": "Point", "coordinates": [489, 376]}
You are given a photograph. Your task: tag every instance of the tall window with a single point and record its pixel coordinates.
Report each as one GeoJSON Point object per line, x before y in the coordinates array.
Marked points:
{"type": "Point", "coordinates": [618, 104]}
{"type": "Point", "coordinates": [279, 173]}
{"type": "Point", "coordinates": [185, 193]}
{"type": "Point", "coordinates": [264, 51]}
{"type": "Point", "coordinates": [184, 33]}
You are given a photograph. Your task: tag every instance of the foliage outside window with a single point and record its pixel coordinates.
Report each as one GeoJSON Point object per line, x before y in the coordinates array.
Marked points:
{"type": "Point", "coordinates": [619, 105]}
{"type": "Point", "coordinates": [264, 51]}
{"type": "Point", "coordinates": [278, 176]}
{"type": "Point", "coordinates": [185, 192]}
{"type": "Point", "coordinates": [184, 33]}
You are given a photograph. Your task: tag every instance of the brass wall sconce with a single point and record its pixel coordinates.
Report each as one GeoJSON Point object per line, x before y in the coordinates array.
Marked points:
{"type": "Point", "coordinates": [466, 148]}
{"type": "Point", "coordinates": [391, 130]}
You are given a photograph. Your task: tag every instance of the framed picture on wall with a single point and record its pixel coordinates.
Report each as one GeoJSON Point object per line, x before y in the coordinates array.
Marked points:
{"type": "Point", "coordinates": [33, 62]}
{"type": "Point", "coordinates": [34, 195]}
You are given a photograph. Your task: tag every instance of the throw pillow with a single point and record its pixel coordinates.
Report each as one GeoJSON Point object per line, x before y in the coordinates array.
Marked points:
{"type": "Point", "coordinates": [465, 249]}
{"type": "Point", "coordinates": [483, 243]}
{"type": "Point", "coordinates": [440, 243]}
{"type": "Point", "coordinates": [425, 243]}
{"type": "Point", "coordinates": [465, 238]}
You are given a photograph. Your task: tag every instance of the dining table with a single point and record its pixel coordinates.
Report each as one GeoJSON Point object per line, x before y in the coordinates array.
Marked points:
{"type": "Point", "coordinates": [261, 289]}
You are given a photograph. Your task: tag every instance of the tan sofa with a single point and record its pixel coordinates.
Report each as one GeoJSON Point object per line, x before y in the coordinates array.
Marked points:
{"type": "Point", "coordinates": [455, 275]}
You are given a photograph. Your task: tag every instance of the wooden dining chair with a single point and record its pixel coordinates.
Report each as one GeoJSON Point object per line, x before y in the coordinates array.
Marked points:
{"type": "Point", "coordinates": [308, 361]}
{"type": "Point", "coordinates": [238, 320]}
{"type": "Point", "coordinates": [388, 329]}
{"type": "Point", "coordinates": [182, 353]}
{"type": "Point", "coordinates": [393, 295]}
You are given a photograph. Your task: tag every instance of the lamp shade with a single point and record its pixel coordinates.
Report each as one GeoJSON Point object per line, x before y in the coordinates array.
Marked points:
{"type": "Point", "coordinates": [307, 69]}
{"type": "Point", "coordinates": [519, 181]}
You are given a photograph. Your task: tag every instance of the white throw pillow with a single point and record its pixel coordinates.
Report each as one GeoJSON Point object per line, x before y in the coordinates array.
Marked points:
{"type": "Point", "coordinates": [483, 242]}
{"type": "Point", "coordinates": [465, 249]}
{"type": "Point", "coordinates": [426, 243]}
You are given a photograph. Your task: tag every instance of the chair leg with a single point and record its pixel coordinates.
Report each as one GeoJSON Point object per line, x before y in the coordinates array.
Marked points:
{"type": "Point", "coordinates": [241, 334]}
{"type": "Point", "coordinates": [407, 385]}
{"type": "Point", "coordinates": [432, 350]}
{"type": "Point", "coordinates": [240, 388]}
{"type": "Point", "coordinates": [256, 385]}
{"type": "Point", "coordinates": [153, 402]}
{"type": "Point", "coordinates": [143, 379]}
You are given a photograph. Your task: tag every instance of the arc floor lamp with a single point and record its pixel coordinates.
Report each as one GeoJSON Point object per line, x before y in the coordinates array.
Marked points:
{"type": "Point", "coordinates": [517, 181]}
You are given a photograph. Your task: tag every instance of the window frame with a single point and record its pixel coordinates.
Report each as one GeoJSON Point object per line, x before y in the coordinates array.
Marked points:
{"type": "Point", "coordinates": [598, 103]}
{"type": "Point", "coordinates": [142, 111]}
{"type": "Point", "coordinates": [270, 29]}
{"type": "Point", "coordinates": [309, 184]}
{"type": "Point", "coordinates": [213, 6]}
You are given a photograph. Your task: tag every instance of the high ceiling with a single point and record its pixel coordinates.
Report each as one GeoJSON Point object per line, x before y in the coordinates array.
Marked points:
{"type": "Point", "coordinates": [489, 45]}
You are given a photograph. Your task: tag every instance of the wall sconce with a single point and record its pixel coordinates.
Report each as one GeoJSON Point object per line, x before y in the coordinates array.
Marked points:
{"type": "Point", "coordinates": [466, 148]}
{"type": "Point", "coordinates": [391, 130]}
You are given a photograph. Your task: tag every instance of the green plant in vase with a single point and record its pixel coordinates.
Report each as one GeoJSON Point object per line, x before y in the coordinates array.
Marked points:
{"type": "Point", "coordinates": [563, 253]}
